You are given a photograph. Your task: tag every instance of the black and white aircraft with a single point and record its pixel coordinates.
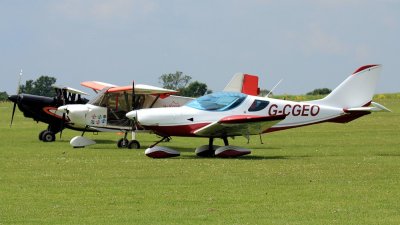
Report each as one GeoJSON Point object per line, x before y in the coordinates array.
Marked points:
{"type": "Point", "coordinates": [44, 109]}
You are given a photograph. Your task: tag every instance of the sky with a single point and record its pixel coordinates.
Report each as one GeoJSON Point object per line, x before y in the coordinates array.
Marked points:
{"type": "Point", "coordinates": [309, 44]}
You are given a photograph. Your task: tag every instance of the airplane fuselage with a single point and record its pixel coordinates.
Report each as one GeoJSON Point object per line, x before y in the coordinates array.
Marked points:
{"type": "Point", "coordinates": [185, 120]}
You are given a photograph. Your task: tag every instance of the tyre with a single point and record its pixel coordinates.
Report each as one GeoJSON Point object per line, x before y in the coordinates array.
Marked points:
{"type": "Point", "coordinates": [134, 144]}
{"type": "Point", "coordinates": [122, 143]}
{"type": "Point", "coordinates": [41, 135]}
{"type": "Point", "coordinates": [48, 136]}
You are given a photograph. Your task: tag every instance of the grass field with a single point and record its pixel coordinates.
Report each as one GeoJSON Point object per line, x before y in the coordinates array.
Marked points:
{"type": "Point", "coordinates": [322, 174]}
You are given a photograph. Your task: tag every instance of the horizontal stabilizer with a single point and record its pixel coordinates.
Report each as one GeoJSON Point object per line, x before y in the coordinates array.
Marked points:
{"type": "Point", "coordinates": [376, 107]}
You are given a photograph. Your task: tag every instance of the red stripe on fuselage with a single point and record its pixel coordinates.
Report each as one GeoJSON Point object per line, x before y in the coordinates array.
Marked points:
{"type": "Point", "coordinates": [48, 109]}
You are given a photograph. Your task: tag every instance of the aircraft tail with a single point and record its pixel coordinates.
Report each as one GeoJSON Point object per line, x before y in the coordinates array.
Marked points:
{"type": "Point", "coordinates": [356, 91]}
{"type": "Point", "coordinates": [244, 83]}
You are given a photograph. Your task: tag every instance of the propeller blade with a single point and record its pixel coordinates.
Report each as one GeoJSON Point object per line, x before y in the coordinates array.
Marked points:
{"type": "Point", "coordinates": [134, 106]}
{"type": "Point", "coordinates": [62, 124]}
{"type": "Point", "coordinates": [133, 96]}
{"type": "Point", "coordinates": [13, 112]}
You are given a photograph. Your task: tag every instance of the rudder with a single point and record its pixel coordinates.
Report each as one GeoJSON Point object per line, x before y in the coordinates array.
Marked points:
{"type": "Point", "coordinates": [356, 91]}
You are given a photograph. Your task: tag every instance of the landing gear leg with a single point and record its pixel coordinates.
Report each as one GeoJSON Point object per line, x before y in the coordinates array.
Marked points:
{"type": "Point", "coordinates": [210, 143]}
{"type": "Point", "coordinates": [226, 142]}
{"type": "Point", "coordinates": [134, 143]}
{"type": "Point", "coordinates": [123, 142]}
{"type": "Point", "coordinates": [210, 152]}
{"type": "Point", "coordinates": [162, 139]}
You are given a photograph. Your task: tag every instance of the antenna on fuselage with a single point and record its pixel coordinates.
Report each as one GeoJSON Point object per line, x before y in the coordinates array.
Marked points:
{"type": "Point", "coordinates": [276, 85]}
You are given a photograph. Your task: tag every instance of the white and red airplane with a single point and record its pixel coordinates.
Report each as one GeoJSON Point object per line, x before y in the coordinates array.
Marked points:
{"type": "Point", "coordinates": [228, 114]}
{"type": "Point", "coordinates": [106, 112]}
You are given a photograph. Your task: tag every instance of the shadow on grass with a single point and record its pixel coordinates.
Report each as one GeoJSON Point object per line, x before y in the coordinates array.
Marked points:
{"type": "Point", "coordinates": [106, 142]}
{"type": "Point", "coordinates": [388, 154]}
{"type": "Point", "coordinates": [182, 149]}
{"type": "Point", "coordinates": [248, 157]}
{"type": "Point", "coordinates": [102, 141]}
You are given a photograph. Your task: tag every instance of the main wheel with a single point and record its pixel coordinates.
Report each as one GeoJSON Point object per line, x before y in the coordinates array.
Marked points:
{"type": "Point", "coordinates": [41, 135]}
{"type": "Point", "coordinates": [48, 136]}
{"type": "Point", "coordinates": [122, 143]}
{"type": "Point", "coordinates": [134, 144]}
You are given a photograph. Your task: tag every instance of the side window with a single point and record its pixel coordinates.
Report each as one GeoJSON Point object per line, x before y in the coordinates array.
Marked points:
{"type": "Point", "coordinates": [258, 105]}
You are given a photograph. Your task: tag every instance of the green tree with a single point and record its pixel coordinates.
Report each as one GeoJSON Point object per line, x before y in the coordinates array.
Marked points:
{"type": "Point", "coordinates": [174, 81]}
{"type": "Point", "coordinates": [42, 86]}
{"type": "Point", "coordinates": [3, 96]}
{"type": "Point", "coordinates": [27, 88]}
{"type": "Point", "coordinates": [320, 91]}
{"type": "Point", "coordinates": [194, 89]}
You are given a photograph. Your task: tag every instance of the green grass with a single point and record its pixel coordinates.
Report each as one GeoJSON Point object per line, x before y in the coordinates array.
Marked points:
{"type": "Point", "coordinates": [322, 174]}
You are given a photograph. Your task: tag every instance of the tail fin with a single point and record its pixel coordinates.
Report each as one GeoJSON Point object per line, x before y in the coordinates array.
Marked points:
{"type": "Point", "coordinates": [244, 83]}
{"type": "Point", "coordinates": [356, 91]}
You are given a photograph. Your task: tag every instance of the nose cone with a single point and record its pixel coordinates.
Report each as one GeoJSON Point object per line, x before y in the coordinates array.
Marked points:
{"type": "Point", "coordinates": [76, 113]}
{"type": "Point", "coordinates": [63, 108]}
{"type": "Point", "coordinates": [13, 98]}
{"type": "Point", "coordinates": [132, 115]}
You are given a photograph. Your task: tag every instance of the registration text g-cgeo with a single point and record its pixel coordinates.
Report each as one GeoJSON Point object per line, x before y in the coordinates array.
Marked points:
{"type": "Point", "coordinates": [294, 110]}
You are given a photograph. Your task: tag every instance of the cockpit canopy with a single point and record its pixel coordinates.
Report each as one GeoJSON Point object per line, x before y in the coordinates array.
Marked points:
{"type": "Point", "coordinates": [219, 101]}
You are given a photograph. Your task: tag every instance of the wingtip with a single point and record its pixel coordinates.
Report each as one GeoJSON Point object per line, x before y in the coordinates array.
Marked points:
{"type": "Point", "coordinates": [365, 67]}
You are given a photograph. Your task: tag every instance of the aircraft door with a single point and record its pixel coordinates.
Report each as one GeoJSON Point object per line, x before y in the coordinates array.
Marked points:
{"type": "Point", "coordinates": [97, 116]}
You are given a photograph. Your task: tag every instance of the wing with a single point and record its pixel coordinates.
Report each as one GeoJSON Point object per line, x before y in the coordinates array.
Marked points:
{"type": "Point", "coordinates": [239, 125]}
{"type": "Point", "coordinates": [142, 89]}
{"type": "Point", "coordinates": [97, 85]}
{"type": "Point", "coordinates": [139, 88]}
{"type": "Point", "coordinates": [69, 89]}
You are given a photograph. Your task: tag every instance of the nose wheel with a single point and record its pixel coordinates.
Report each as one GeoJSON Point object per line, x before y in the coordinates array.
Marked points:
{"type": "Point", "coordinates": [125, 143]}
{"type": "Point", "coordinates": [122, 143]}
{"type": "Point", "coordinates": [47, 136]}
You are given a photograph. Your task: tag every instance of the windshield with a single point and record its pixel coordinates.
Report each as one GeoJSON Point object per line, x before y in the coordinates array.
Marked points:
{"type": "Point", "coordinates": [220, 101]}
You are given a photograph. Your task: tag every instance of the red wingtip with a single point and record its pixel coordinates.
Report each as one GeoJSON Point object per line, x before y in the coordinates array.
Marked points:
{"type": "Point", "coordinates": [364, 68]}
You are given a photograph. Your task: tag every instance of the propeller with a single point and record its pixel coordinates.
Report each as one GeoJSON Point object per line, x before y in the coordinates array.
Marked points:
{"type": "Point", "coordinates": [13, 112]}
{"type": "Point", "coordinates": [65, 112]}
{"type": "Point", "coordinates": [62, 124]}
{"type": "Point", "coordinates": [15, 99]}
{"type": "Point", "coordinates": [133, 96]}
{"type": "Point", "coordinates": [134, 107]}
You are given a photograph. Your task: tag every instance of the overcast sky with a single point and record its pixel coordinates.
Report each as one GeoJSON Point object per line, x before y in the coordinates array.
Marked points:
{"type": "Point", "coordinates": [309, 44]}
